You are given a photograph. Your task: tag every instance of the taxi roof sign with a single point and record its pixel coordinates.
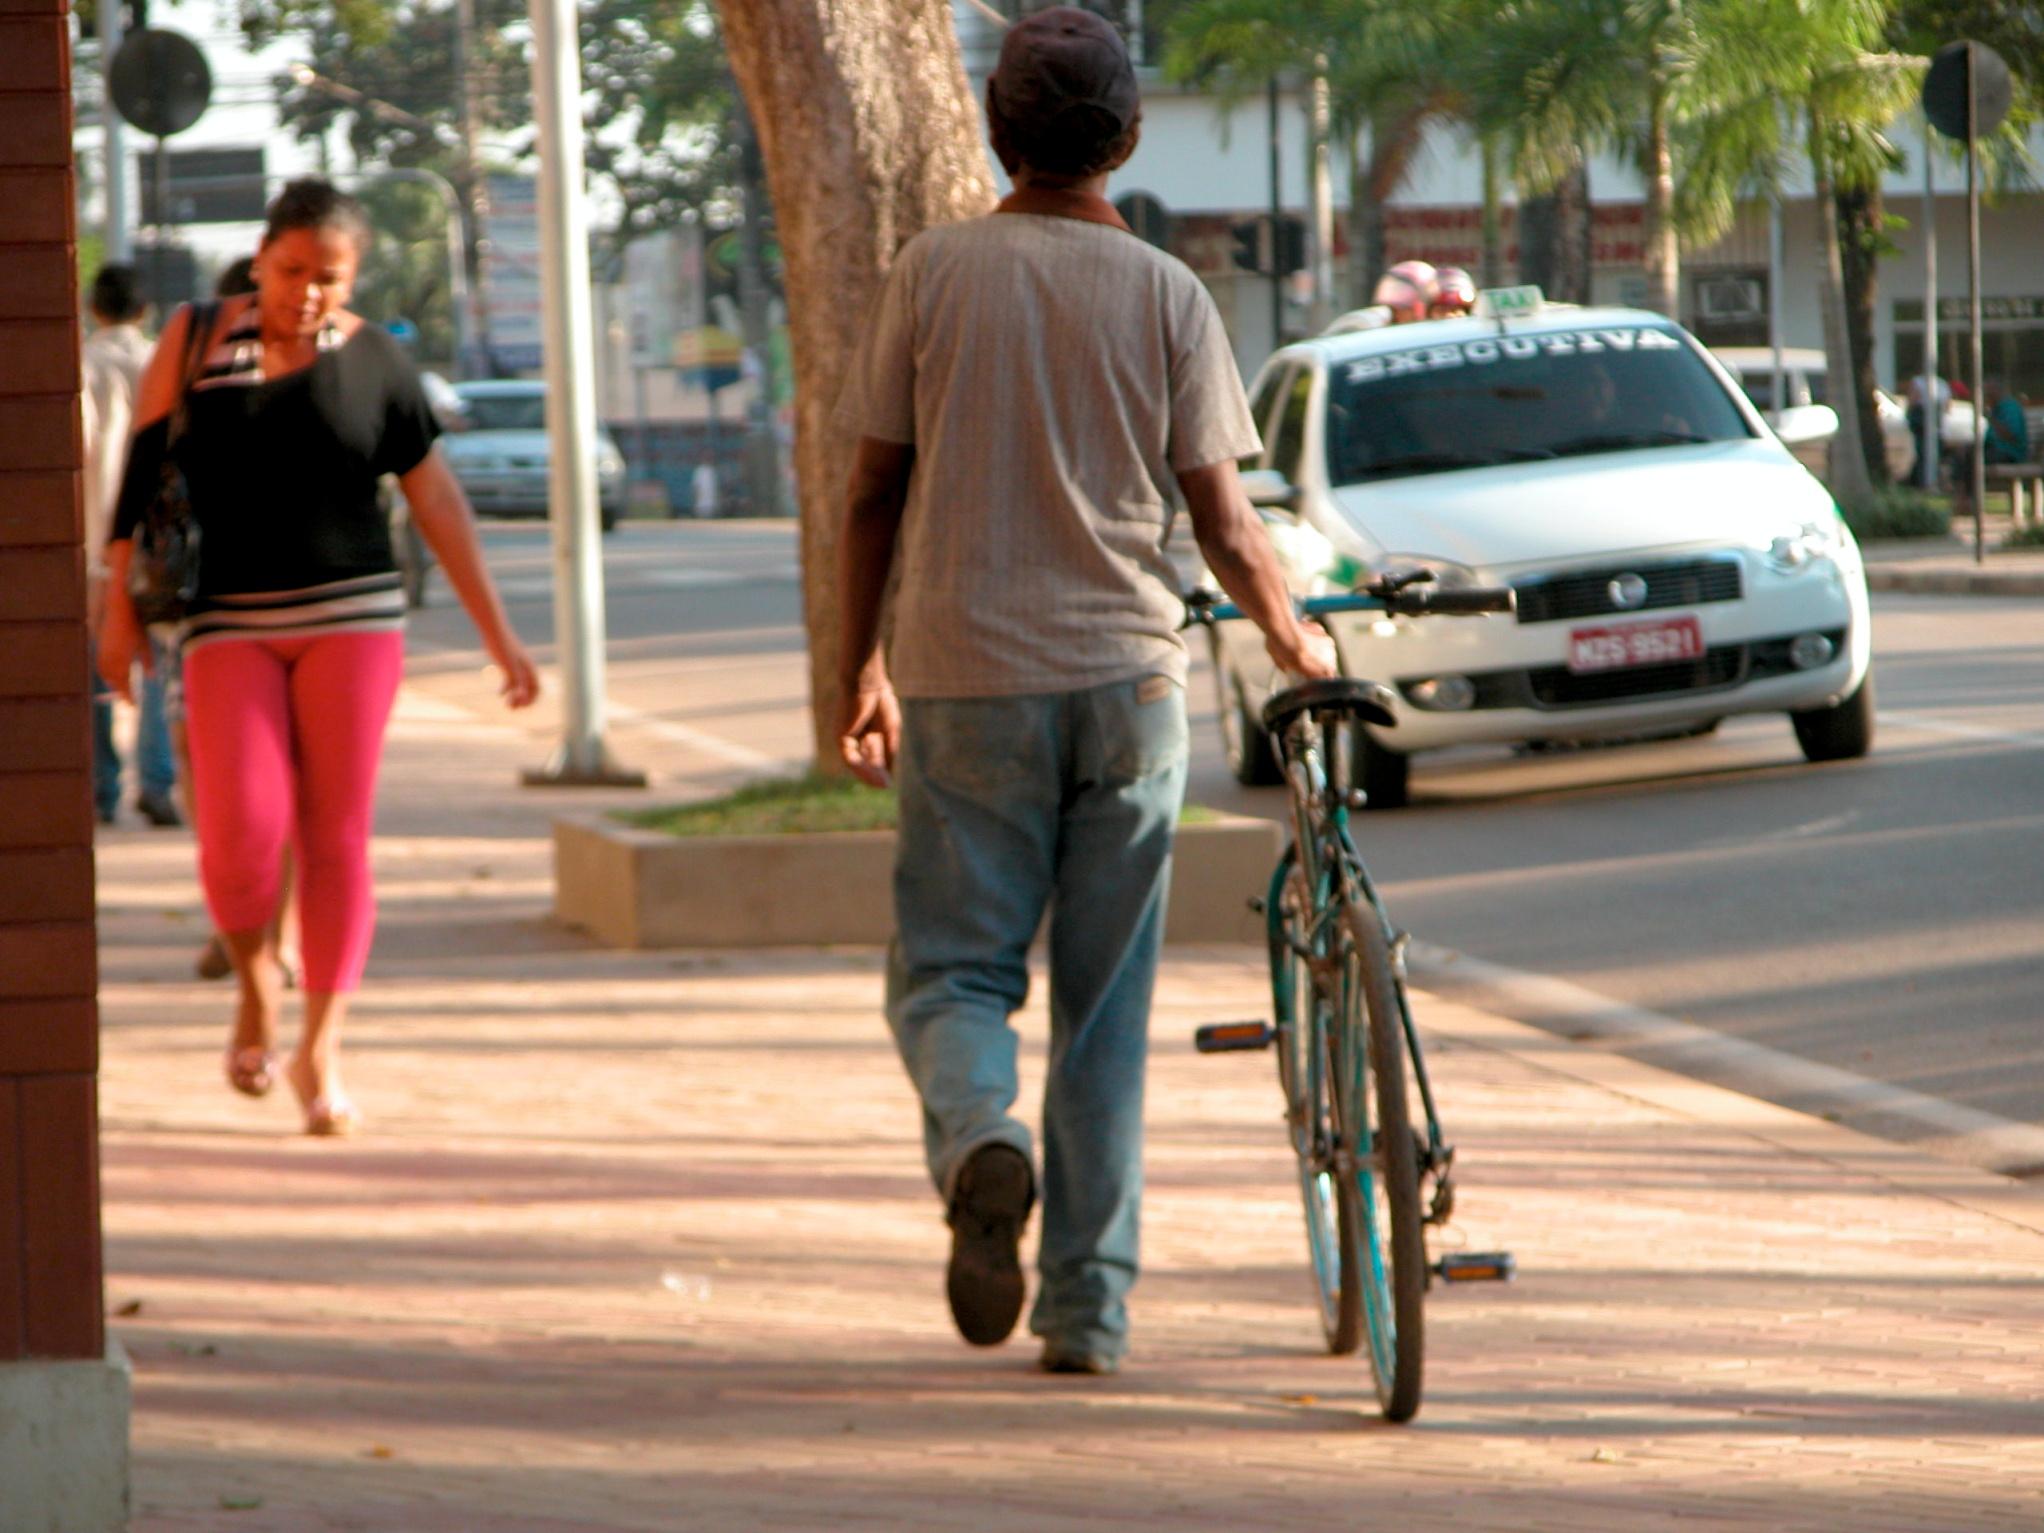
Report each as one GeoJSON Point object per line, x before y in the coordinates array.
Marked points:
{"type": "Point", "coordinates": [1509, 302]}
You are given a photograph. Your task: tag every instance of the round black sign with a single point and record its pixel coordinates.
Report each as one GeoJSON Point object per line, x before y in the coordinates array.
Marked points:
{"type": "Point", "coordinates": [160, 82]}
{"type": "Point", "coordinates": [1944, 90]}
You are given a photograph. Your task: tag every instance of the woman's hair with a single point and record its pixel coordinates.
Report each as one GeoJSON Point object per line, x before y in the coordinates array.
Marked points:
{"type": "Point", "coordinates": [311, 203]}
{"type": "Point", "coordinates": [1080, 141]}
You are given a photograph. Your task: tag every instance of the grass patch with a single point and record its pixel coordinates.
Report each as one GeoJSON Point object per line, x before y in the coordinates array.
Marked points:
{"type": "Point", "coordinates": [1897, 511]}
{"type": "Point", "coordinates": [807, 805]}
{"type": "Point", "coordinates": [2029, 535]}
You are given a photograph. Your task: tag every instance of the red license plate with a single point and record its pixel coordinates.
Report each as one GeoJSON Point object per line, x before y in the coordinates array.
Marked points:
{"type": "Point", "coordinates": [1615, 646]}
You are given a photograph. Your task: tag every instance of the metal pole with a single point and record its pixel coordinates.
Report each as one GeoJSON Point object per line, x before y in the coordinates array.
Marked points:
{"type": "Point", "coordinates": [583, 759]}
{"type": "Point", "coordinates": [160, 228]}
{"type": "Point", "coordinates": [458, 291]}
{"type": "Point", "coordinates": [1318, 114]}
{"type": "Point", "coordinates": [1776, 265]}
{"type": "Point", "coordinates": [1277, 213]}
{"type": "Point", "coordinates": [1933, 412]}
{"type": "Point", "coordinates": [120, 244]}
{"type": "Point", "coordinates": [1979, 466]}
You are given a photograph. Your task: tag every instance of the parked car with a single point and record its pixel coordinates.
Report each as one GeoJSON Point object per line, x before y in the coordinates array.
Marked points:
{"type": "Point", "coordinates": [503, 458]}
{"type": "Point", "coordinates": [1674, 564]}
{"type": "Point", "coordinates": [1805, 382]}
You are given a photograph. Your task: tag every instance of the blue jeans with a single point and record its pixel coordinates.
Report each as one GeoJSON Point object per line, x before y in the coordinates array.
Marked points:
{"type": "Point", "coordinates": [1011, 805]}
{"type": "Point", "coordinates": [155, 767]}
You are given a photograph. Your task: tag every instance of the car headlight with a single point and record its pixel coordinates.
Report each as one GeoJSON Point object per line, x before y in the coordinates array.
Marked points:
{"type": "Point", "coordinates": [1448, 575]}
{"type": "Point", "coordinates": [1808, 544]}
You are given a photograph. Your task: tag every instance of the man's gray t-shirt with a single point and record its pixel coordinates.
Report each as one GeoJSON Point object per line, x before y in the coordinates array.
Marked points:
{"type": "Point", "coordinates": [1053, 375]}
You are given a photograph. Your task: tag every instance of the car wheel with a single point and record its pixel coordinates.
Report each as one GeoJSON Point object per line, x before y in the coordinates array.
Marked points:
{"type": "Point", "coordinates": [1384, 775]}
{"type": "Point", "coordinates": [1251, 762]}
{"type": "Point", "coordinates": [1841, 732]}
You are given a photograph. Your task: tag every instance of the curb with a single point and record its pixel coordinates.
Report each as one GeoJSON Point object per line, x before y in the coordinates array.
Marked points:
{"type": "Point", "coordinates": [1956, 582]}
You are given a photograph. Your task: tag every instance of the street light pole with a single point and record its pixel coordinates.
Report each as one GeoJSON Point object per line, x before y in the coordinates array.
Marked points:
{"type": "Point", "coordinates": [119, 244]}
{"type": "Point", "coordinates": [583, 759]}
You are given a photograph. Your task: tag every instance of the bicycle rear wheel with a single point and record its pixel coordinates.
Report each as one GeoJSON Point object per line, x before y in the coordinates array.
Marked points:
{"type": "Point", "coordinates": [1374, 1124]}
{"type": "Point", "coordinates": [1305, 1017]}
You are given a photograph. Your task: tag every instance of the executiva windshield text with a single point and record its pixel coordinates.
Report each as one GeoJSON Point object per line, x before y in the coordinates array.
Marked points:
{"type": "Point", "coordinates": [1509, 348]}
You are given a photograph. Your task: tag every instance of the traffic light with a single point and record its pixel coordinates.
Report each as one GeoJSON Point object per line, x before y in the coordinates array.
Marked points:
{"type": "Point", "coordinates": [1249, 244]}
{"type": "Point", "coordinates": [1253, 245]}
{"type": "Point", "coordinates": [1291, 245]}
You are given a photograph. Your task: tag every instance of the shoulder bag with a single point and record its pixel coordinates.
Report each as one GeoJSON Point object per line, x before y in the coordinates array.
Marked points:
{"type": "Point", "coordinates": [163, 575]}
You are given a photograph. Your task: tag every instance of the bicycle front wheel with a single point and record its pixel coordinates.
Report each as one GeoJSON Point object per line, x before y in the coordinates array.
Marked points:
{"type": "Point", "coordinates": [1374, 1127]}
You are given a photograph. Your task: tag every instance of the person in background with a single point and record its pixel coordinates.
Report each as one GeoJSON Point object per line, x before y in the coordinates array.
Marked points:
{"type": "Point", "coordinates": [1408, 290]}
{"type": "Point", "coordinates": [1031, 387]}
{"type": "Point", "coordinates": [295, 646]}
{"type": "Point", "coordinates": [702, 486]}
{"type": "Point", "coordinates": [2008, 429]}
{"type": "Point", "coordinates": [115, 354]}
{"type": "Point", "coordinates": [1454, 294]}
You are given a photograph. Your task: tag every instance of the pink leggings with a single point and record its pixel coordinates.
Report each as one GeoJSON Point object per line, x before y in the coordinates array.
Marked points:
{"type": "Point", "coordinates": [286, 734]}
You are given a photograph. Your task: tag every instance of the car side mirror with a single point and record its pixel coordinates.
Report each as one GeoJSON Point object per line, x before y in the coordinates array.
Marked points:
{"type": "Point", "coordinates": [1269, 490]}
{"type": "Point", "coordinates": [1800, 424]}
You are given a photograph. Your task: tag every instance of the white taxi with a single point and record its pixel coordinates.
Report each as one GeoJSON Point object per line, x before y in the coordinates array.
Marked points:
{"type": "Point", "coordinates": [1673, 563]}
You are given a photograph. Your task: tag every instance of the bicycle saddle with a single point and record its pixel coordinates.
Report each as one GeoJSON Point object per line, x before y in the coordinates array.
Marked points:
{"type": "Point", "coordinates": [1368, 700]}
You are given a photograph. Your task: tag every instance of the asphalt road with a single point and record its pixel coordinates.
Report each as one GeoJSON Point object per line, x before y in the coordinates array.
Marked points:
{"type": "Point", "coordinates": [1879, 917]}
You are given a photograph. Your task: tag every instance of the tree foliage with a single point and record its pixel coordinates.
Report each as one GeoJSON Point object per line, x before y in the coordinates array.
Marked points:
{"type": "Point", "coordinates": [658, 98]}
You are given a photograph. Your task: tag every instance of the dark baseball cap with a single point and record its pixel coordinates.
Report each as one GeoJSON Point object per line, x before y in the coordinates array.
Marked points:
{"type": "Point", "coordinates": [1057, 59]}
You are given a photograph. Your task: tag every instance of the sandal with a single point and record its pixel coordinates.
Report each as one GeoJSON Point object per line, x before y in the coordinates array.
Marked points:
{"type": "Point", "coordinates": [213, 962]}
{"type": "Point", "coordinates": [252, 1071]}
{"type": "Point", "coordinates": [331, 1117]}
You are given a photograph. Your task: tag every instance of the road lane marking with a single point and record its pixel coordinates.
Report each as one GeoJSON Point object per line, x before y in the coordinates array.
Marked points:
{"type": "Point", "coordinates": [1929, 724]}
{"type": "Point", "coordinates": [1949, 1130]}
{"type": "Point", "coordinates": [695, 739]}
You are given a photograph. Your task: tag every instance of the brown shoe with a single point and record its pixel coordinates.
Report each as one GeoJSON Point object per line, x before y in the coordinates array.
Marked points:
{"type": "Point", "coordinates": [988, 1209]}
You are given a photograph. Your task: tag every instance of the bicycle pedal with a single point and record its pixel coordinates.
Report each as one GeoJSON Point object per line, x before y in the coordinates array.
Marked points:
{"type": "Point", "coordinates": [1233, 1037]}
{"type": "Point", "coordinates": [1476, 1267]}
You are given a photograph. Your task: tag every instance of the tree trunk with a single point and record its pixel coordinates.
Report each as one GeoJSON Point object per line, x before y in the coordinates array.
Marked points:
{"type": "Point", "coordinates": [1849, 480]}
{"type": "Point", "coordinates": [1554, 238]}
{"type": "Point", "coordinates": [1861, 215]}
{"type": "Point", "coordinates": [870, 135]}
{"type": "Point", "coordinates": [1365, 229]}
{"type": "Point", "coordinates": [1663, 255]}
{"type": "Point", "coordinates": [1491, 267]}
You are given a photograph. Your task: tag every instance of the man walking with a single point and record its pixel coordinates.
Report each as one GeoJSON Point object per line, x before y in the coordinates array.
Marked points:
{"type": "Point", "coordinates": [115, 354]}
{"type": "Point", "coordinates": [1031, 384]}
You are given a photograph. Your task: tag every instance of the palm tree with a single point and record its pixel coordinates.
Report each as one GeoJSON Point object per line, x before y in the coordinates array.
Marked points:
{"type": "Point", "coordinates": [1558, 78]}
{"type": "Point", "coordinates": [1389, 66]}
{"type": "Point", "coordinates": [1802, 79]}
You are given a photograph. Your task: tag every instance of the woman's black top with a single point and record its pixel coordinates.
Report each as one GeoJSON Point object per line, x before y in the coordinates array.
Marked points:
{"type": "Point", "coordinates": [294, 538]}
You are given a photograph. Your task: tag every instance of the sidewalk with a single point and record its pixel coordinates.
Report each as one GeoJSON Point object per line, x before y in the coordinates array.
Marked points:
{"type": "Point", "coordinates": [641, 1241]}
{"type": "Point", "coordinates": [1946, 567]}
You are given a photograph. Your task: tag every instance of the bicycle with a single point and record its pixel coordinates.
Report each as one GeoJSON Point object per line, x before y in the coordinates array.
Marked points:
{"type": "Point", "coordinates": [1342, 1027]}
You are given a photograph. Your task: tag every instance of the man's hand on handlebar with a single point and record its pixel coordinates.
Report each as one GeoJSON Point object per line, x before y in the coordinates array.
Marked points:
{"type": "Point", "coordinates": [1307, 652]}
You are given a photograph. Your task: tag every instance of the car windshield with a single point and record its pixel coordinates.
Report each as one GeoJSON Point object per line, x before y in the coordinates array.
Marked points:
{"type": "Point", "coordinates": [505, 412]}
{"type": "Point", "coordinates": [1519, 399]}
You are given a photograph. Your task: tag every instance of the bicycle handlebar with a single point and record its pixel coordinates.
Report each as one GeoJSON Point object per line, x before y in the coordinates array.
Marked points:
{"type": "Point", "coordinates": [1400, 596]}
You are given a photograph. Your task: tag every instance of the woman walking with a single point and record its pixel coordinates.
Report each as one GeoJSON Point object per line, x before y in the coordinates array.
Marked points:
{"type": "Point", "coordinates": [294, 647]}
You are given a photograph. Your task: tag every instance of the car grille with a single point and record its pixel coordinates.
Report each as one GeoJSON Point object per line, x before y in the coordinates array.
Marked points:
{"type": "Point", "coordinates": [1586, 593]}
{"type": "Point", "coordinates": [1557, 687]}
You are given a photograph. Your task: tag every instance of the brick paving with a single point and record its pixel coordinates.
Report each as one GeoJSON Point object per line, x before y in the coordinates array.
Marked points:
{"type": "Point", "coordinates": [641, 1241]}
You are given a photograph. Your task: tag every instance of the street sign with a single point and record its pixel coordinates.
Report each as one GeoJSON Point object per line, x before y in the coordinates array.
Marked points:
{"type": "Point", "coordinates": [1944, 90]}
{"type": "Point", "coordinates": [1509, 302]}
{"type": "Point", "coordinates": [160, 82]}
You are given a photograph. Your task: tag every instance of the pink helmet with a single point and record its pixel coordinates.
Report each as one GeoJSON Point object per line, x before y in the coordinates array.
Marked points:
{"type": "Point", "coordinates": [1454, 292]}
{"type": "Point", "coordinates": [1407, 289]}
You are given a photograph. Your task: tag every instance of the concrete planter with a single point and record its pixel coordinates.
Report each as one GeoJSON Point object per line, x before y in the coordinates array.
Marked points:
{"type": "Point", "coordinates": [641, 889]}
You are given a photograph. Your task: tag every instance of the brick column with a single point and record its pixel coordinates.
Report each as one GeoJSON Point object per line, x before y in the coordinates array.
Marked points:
{"type": "Point", "coordinates": [63, 1404]}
